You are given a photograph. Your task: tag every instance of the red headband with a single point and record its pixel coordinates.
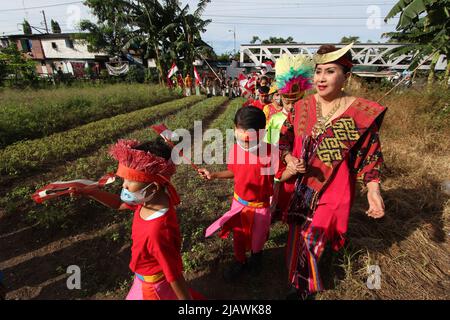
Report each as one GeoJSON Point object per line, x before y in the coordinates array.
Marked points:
{"type": "Point", "coordinates": [139, 176]}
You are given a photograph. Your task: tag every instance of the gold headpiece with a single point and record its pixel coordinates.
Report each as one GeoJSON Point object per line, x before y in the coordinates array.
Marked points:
{"type": "Point", "coordinates": [332, 56]}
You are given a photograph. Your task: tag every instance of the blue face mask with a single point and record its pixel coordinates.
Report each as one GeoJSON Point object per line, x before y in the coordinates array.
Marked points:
{"type": "Point", "coordinates": [137, 197]}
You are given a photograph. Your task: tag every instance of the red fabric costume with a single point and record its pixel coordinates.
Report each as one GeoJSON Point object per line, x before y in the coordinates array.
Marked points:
{"type": "Point", "coordinates": [349, 150]}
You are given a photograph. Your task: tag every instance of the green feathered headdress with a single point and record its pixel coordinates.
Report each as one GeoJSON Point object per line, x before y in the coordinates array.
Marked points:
{"type": "Point", "coordinates": [293, 75]}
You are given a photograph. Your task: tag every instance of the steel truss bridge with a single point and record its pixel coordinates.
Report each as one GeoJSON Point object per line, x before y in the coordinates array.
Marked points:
{"type": "Point", "coordinates": [369, 54]}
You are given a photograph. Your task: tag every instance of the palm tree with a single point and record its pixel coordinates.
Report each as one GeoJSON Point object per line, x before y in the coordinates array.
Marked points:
{"type": "Point", "coordinates": [426, 23]}
{"type": "Point", "coordinates": [189, 42]}
{"type": "Point", "coordinates": [55, 26]}
{"type": "Point", "coordinates": [159, 29]}
{"type": "Point", "coordinates": [26, 27]}
{"type": "Point", "coordinates": [111, 32]}
{"type": "Point", "coordinates": [149, 31]}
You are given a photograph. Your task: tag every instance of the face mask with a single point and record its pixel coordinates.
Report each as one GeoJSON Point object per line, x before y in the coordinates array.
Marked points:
{"type": "Point", "coordinates": [248, 149]}
{"type": "Point", "coordinates": [278, 100]}
{"type": "Point", "coordinates": [241, 143]}
{"type": "Point", "coordinates": [137, 197]}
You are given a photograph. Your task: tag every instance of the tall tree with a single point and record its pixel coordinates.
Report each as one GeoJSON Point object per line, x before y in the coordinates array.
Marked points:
{"type": "Point", "coordinates": [26, 27]}
{"type": "Point", "coordinates": [112, 31]}
{"type": "Point", "coordinates": [12, 62]}
{"type": "Point", "coordinates": [55, 26]}
{"type": "Point", "coordinates": [161, 30]}
{"type": "Point", "coordinates": [255, 39]}
{"type": "Point", "coordinates": [350, 39]}
{"type": "Point", "coordinates": [189, 41]}
{"type": "Point", "coordinates": [426, 23]}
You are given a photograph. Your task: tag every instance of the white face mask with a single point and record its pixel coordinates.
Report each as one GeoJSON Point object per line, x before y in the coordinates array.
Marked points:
{"type": "Point", "coordinates": [137, 197]}
{"type": "Point", "coordinates": [242, 146]}
{"type": "Point", "coordinates": [250, 149]}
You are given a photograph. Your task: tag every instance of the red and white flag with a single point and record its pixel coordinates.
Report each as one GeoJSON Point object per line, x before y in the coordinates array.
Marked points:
{"type": "Point", "coordinates": [167, 134]}
{"type": "Point", "coordinates": [198, 80]}
{"type": "Point", "coordinates": [172, 70]}
{"type": "Point", "coordinates": [248, 85]}
{"type": "Point", "coordinates": [267, 66]}
{"type": "Point", "coordinates": [59, 188]}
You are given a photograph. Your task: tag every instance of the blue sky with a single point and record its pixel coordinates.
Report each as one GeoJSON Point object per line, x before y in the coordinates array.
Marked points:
{"type": "Point", "coordinates": [320, 21]}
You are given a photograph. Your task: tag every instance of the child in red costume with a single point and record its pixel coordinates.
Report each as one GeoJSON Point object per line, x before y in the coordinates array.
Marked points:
{"type": "Point", "coordinates": [155, 253]}
{"type": "Point", "coordinates": [262, 101]}
{"type": "Point", "coordinates": [252, 169]}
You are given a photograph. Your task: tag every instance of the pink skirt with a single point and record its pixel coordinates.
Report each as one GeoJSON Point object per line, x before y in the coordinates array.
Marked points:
{"type": "Point", "coordinates": [160, 290]}
{"type": "Point", "coordinates": [261, 224]}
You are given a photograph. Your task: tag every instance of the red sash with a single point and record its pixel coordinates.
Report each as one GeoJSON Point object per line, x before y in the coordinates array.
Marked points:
{"type": "Point", "coordinates": [330, 148]}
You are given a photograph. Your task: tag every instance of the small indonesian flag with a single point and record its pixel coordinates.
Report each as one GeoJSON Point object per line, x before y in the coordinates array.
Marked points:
{"type": "Point", "coordinates": [247, 85]}
{"type": "Point", "coordinates": [167, 134]}
{"type": "Point", "coordinates": [198, 80]}
{"type": "Point", "coordinates": [251, 84]}
{"type": "Point", "coordinates": [59, 188]}
{"type": "Point", "coordinates": [172, 70]}
{"type": "Point", "coordinates": [267, 66]}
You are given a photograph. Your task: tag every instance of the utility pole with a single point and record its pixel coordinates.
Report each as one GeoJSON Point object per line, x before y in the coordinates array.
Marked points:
{"type": "Point", "coordinates": [234, 37]}
{"type": "Point", "coordinates": [45, 20]}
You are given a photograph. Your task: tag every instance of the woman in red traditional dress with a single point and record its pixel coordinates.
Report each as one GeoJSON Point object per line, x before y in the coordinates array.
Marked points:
{"type": "Point", "coordinates": [336, 143]}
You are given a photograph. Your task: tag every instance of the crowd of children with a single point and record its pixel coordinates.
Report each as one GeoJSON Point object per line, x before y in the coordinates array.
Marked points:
{"type": "Point", "coordinates": [219, 84]}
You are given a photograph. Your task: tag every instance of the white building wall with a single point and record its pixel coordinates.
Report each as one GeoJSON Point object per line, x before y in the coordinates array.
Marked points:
{"type": "Point", "coordinates": [79, 50]}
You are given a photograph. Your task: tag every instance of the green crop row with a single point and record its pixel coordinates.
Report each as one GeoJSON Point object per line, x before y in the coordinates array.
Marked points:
{"type": "Point", "coordinates": [98, 163]}
{"type": "Point", "coordinates": [33, 154]}
{"type": "Point", "coordinates": [226, 119]}
{"type": "Point", "coordinates": [34, 114]}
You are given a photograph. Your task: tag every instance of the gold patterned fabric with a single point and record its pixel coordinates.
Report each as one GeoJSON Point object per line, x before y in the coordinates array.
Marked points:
{"type": "Point", "coordinates": [331, 148]}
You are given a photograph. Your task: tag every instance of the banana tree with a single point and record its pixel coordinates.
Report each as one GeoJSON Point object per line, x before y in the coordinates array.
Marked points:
{"type": "Point", "coordinates": [425, 23]}
{"type": "Point", "coordinates": [111, 31]}
{"type": "Point", "coordinates": [189, 42]}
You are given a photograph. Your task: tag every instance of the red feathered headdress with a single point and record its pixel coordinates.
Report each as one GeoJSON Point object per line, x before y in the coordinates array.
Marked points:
{"type": "Point", "coordinates": [143, 166]}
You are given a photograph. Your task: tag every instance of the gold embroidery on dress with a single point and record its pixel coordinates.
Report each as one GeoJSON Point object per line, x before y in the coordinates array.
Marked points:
{"type": "Point", "coordinates": [330, 148]}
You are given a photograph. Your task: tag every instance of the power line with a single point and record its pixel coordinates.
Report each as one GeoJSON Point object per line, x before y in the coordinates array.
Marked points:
{"type": "Point", "coordinates": [358, 3]}
{"type": "Point", "coordinates": [15, 32]}
{"type": "Point", "coordinates": [271, 8]}
{"type": "Point", "coordinates": [41, 7]}
{"type": "Point", "coordinates": [293, 24]}
{"type": "Point", "coordinates": [295, 18]}
{"type": "Point", "coordinates": [299, 6]}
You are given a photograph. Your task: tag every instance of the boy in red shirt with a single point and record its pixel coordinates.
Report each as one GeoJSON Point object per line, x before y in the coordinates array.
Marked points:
{"type": "Point", "coordinates": [155, 253]}
{"type": "Point", "coordinates": [262, 101]}
{"type": "Point", "coordinates": [251, 165]}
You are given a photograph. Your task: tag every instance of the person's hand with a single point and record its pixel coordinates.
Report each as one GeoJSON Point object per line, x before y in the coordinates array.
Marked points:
{"type": "Point", "coordinates": [205, 174]}
{"type": "Point", "coordinates": [274, 200]}
{"type": "Point", "coordinates": [376, 204]}
{"type": "Point", "coordinates": [289, 158]}
{"type": "Point", "coordinates": [296, 166]}
{"type": "Point", "coordinates": [301, 167]}
{"type": "Point", "coordinates": [76, 192]}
